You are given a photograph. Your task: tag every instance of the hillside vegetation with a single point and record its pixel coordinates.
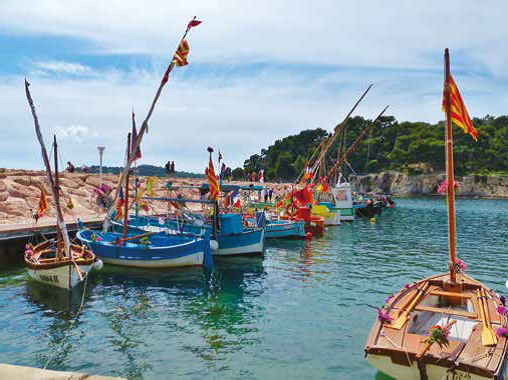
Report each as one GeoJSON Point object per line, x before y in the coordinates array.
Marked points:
{"type": "Point", "coordinates": [410, 147]}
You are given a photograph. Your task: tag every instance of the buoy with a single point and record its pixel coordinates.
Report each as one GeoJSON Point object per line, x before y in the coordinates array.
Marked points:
{"type": "Point", "coordinates": [308, 235]}
{"type": "Point", "coordinates": [214, 245]}
{"type": "Point", "coordinates": [98, 265]}
{"type": "Point", "coordinates": [161, 221]}
{"type": "Point", "coordinates": [506, 284]}
{"type": "Point", "coordinates": [372, 220]}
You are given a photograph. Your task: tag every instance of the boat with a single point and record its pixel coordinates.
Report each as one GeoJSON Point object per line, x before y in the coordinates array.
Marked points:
{"type": "Point", "coordinates": [331, 218]}
{"type": "Point", "coordinates": [233, 237]}
{"type": "Point", "coordinates": [45, 265]}
{"type": "Point", "coordinates": [448, 326]}
{"type": "Point", "coordinates": [343, 201]}
{"type": "Point", "coordinates": [281, 229]}
{"type": "Point", "coordinates": [56, 262]}
{"type": "Point", "coordinates": [148, 250]}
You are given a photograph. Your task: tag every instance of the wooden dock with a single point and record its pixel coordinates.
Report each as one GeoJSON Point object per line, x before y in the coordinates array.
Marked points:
{"type": "Point", "coordinates": [14, 237]}
{"type": "Point", "coordinates": [8, 371]}
{"type": "Point", "coordinates": [47, 226]}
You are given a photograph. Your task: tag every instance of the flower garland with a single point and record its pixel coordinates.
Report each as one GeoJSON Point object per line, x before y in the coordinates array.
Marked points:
{"type": "Point", "coordinates": [444, 185]}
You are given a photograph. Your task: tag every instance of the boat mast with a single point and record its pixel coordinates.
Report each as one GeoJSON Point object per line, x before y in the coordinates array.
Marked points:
{"type": "Point", "coordinates": [144, 128]}
{"type": "Point", "coordinates": [126, 209]}
{"type": "Point", "coordinates": [450, 178]}
{"type": "Point", "coordinates": [57, 200]}
{"type": "Point", "coordinates": [54, 191]}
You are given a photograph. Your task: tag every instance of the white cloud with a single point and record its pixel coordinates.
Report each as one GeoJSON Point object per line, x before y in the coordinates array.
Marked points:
{"type": "Point", "coordinates": [60, 67]}
{"type": "Point", "coordinates": [77, 133]}
{"type": "Point", "coordinates": [316, 59]}
{"type": "Point", "coordinates": [362, 33]}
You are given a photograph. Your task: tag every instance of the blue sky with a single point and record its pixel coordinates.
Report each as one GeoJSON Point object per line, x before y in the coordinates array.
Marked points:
{"type": "Point", "coordinates": [258, 71]}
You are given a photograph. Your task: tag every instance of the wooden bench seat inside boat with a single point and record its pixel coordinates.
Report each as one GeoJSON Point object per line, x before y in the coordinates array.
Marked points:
{"type": "Point", "coordinates": [439, 310]}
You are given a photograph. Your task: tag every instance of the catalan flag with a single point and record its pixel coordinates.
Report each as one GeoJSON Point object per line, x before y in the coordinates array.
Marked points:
{"type": "Point", "coordinates": [212, 179]}
{"type": "Point", "coordinates": [459, 112]}
{"type": "Point", "coordinates": [180, 57]}
{"type": "Point", "coordinates": [43, 203]}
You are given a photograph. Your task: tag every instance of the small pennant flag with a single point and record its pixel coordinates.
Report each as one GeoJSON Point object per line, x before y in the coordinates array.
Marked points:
{"type": "Point", "coordinates": [43, 203]}
{"type": "Point", "coordinates": [212, 180]}
{"type": "Point", "coordinates": [149, 186]}
{"type": "Point", "coordinates": [193, 23]}
{"type": "Point", "coordinates": [235, 197]}
{"type": "Point", "coordinates": [180, 57]}
{"type": "Point", "coordinates": [459, 113]}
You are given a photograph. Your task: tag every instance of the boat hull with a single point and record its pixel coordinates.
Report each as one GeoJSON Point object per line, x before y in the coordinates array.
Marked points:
{"type": "Point", "coordinates": [183, 252]}
{"type": "Point", "coordinates": [285, 229]}
{"type": "Point", "coordinates": [249, 242]}
{"type": "Point", "coordinates": [434, 372]}
{"type": "Point", "coordinates": [59, 276]}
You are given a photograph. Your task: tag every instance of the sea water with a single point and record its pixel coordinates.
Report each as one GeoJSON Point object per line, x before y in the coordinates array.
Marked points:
{"type": "Point", "coordinates": [302, 311]}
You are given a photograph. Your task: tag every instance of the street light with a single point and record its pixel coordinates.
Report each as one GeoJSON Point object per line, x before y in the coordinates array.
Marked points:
{"type": "Point", "coordinates": [101, 152]}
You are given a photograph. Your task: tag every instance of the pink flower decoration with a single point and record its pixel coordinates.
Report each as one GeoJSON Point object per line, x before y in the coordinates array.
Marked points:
{"type": "Point", "coordinates": [388, 299]}
{"type": "Point", "coordinates": [461, 264]}
{"type": "Point", "coordinates": [382, 316]}
{"type": "Point", "coordinates": [99, 239]}
{"type": "Point", "coordinates": [443, 186]}
{"type": "Point", "coordinates": [502, 331]}
{"type": "Point", "coordinates": [502, 310]}
{"type": "Point", "coordinates": [120, 243]}
{"type": "Point", "coordinates": [407, 286]}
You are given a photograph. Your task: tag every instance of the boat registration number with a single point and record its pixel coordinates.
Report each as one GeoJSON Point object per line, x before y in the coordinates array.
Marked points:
{"type": "Point", "coordinates": [459, 376]}
{"type": "Point", "coordinates": [53, 279]}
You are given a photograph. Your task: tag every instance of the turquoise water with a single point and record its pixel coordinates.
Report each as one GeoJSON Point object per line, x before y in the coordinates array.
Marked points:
{"type": "Point", "coordinates": [303, 311]}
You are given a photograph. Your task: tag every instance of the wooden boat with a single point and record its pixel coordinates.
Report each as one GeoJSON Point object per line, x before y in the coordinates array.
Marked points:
{"type": "Point", "coordinates": [449, 326]}
{"type": "Point", "coordinates": [343, 201]}
{"type": "Point", "coordinates": [147, 250]}
{"type": "Point", "coordinates": [401, 348]}
{"type": "Point", "coordinates": [56, 262]}
{"type": "Point", "coordinates": [45, 265]}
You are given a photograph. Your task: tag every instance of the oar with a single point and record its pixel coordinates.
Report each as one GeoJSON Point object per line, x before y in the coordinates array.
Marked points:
{"type": "Point", "coordinates": [401, 320]}
{"type": "Point", "coordinates": [409, 300]}
{"type": "Point", "coordinates": [489, 337]}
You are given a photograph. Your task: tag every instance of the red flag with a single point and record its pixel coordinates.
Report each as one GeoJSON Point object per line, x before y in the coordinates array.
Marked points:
{"type": "Point", "coordinates": [193, 23]}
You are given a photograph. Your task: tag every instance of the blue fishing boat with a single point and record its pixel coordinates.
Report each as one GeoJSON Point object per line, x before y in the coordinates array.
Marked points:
{"type": "Point", "coordinates": [233, 238]}
{"type": "Point", "coordinates": [280, 229]}
{"type": "Point", "coordinates": [148, 250]}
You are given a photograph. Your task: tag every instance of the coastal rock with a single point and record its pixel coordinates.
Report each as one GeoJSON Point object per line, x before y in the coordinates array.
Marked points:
{"type": "Point", "coordinates": [24, 180]}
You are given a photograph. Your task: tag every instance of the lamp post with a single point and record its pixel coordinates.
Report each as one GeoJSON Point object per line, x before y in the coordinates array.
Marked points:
{"type": "Point", "coordinates": [101, 152]}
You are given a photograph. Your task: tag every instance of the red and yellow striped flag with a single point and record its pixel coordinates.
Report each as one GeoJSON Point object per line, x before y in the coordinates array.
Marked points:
{"type": "Point", "coordinates": [180, 57]}
{"type": "Point", "coordinates": [43, 203]}
{"type": "Point", "coordinates": [459, 112]}
{"type": "Point", "coordinates": [212, 179]}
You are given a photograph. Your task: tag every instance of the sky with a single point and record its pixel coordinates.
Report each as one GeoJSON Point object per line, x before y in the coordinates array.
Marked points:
{"type": "Point", "coordinates": [258, 71]}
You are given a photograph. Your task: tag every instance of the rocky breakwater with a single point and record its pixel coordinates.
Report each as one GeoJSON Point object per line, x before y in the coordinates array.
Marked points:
{"type": "Point", "coordinates": [427, 184]}
{"type": "Point", "coordinates": [20, 192]}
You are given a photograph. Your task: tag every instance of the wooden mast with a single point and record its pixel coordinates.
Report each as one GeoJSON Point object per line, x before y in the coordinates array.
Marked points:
{"type": "Point", "coordinates": [353, 146]}
{"type": "Point", "coordinates": [57, 200]}
{"type": "Point", "coordinates": [450, 178]}
{"type": "Point", "coordinates": [328, 142]}
{"type": "Point", "coordinates": [126, 207]}
{"type": "Point", "coordinates": [54, 190]}
{"type": "Point", "coordinates": [144, 128]}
